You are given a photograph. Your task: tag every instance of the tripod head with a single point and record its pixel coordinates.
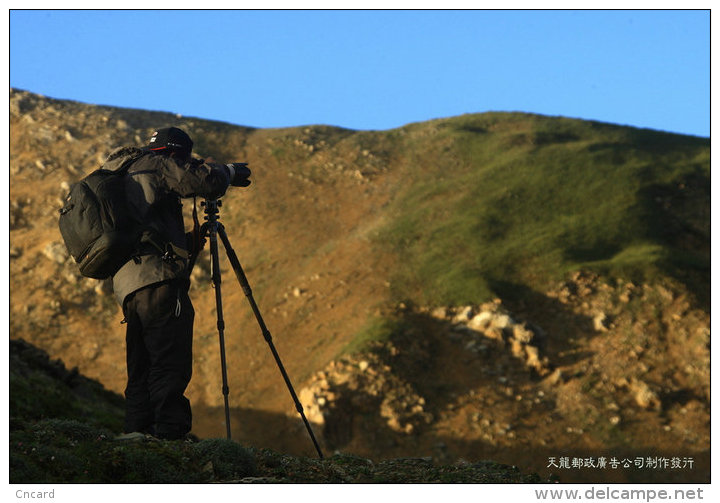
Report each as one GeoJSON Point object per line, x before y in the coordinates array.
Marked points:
{"type": "Point", "coordinates": [212, 209]}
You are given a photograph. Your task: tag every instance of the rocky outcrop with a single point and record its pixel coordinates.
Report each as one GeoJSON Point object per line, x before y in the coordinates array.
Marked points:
{"type": "Point", "coordinates": [362, 385]}
{"type": "Point", "coordinates": [367, 385]}
{"type": "Point", "coordinates": [479, 327]}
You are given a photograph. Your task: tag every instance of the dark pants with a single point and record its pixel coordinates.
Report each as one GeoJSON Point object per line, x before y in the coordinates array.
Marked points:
{"type": "Point", "coordinates": [159, 360]}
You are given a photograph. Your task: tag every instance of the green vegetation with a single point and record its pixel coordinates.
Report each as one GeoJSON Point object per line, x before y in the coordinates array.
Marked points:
{"type": "Point", "coordinates": [377, 330]}
{"type": "Point", "coordinates": [62, 429]}
{"type": "Point", "coordinates": [61, 450]}
{"type": "Point", "coordinates": [521, 199]}
{"type": "Point", "coordinates": [43, 388]}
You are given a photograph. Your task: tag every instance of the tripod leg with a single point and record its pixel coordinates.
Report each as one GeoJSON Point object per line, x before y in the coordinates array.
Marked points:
{"type": "Point", "coordinates": [217, 280]}
{"type": "Point", "coordinates": [266, 333]}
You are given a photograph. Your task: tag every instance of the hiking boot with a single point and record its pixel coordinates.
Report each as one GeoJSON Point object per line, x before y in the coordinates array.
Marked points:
{"type": "Point", "coordinates": [136, 436]}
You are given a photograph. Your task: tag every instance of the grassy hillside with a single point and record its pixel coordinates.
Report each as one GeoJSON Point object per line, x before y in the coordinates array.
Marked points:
{"type": "Point", "coordinates": [491, 204]}
{"type": "Point", "coordinates": [480, 201]}
{"type": "Point", "coordinates": [499, 199]}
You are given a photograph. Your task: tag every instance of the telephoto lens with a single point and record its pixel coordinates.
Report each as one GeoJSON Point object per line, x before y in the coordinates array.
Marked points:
{"type": "Point", "coordinates": [239, 173]}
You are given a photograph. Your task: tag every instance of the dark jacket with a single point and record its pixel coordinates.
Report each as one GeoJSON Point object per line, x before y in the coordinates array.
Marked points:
{"type": "Point", "coordinates": [153, 187]}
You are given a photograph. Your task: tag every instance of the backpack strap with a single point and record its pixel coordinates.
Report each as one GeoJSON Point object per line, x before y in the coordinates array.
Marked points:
{"type": "Point", "coordinates": [165, 248]}
{"type": "Point", "coordinates": [197, 243]}
{"type": "Point", "coordinates": [196, 238]}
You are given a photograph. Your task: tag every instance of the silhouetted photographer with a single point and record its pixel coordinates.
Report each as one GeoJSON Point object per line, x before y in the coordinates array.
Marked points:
{"type": "Point", "coordinates": [125, 221]}
{"type": "Point", "coordinates": [152, 286]}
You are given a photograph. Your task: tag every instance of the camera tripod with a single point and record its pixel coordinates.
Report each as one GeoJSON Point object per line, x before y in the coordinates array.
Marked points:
{"type": "Point", "coordinates": [211, 229]}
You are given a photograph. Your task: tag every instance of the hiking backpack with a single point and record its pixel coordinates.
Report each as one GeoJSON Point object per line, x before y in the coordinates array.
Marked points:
{"type": "Point", "coordinates": [96, 224]}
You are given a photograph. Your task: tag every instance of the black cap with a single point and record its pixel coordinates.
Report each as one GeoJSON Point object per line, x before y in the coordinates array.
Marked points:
{"type": "Point", "coordinates": [170, 138]}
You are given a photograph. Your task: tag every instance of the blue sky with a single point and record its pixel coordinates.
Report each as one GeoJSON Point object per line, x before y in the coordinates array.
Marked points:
{"type": "Point", "coordinates": [373, 69]}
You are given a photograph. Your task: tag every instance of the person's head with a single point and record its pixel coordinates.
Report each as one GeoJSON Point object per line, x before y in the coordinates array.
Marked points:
{"type": "Point", "coordinates": [171, 141]}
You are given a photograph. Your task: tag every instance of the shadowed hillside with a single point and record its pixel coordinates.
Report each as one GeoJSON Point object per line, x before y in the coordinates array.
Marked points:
{"type": "Point", "coordinates": [477, 287]}
{"type": "Point", "coordinates": [64, 434]}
